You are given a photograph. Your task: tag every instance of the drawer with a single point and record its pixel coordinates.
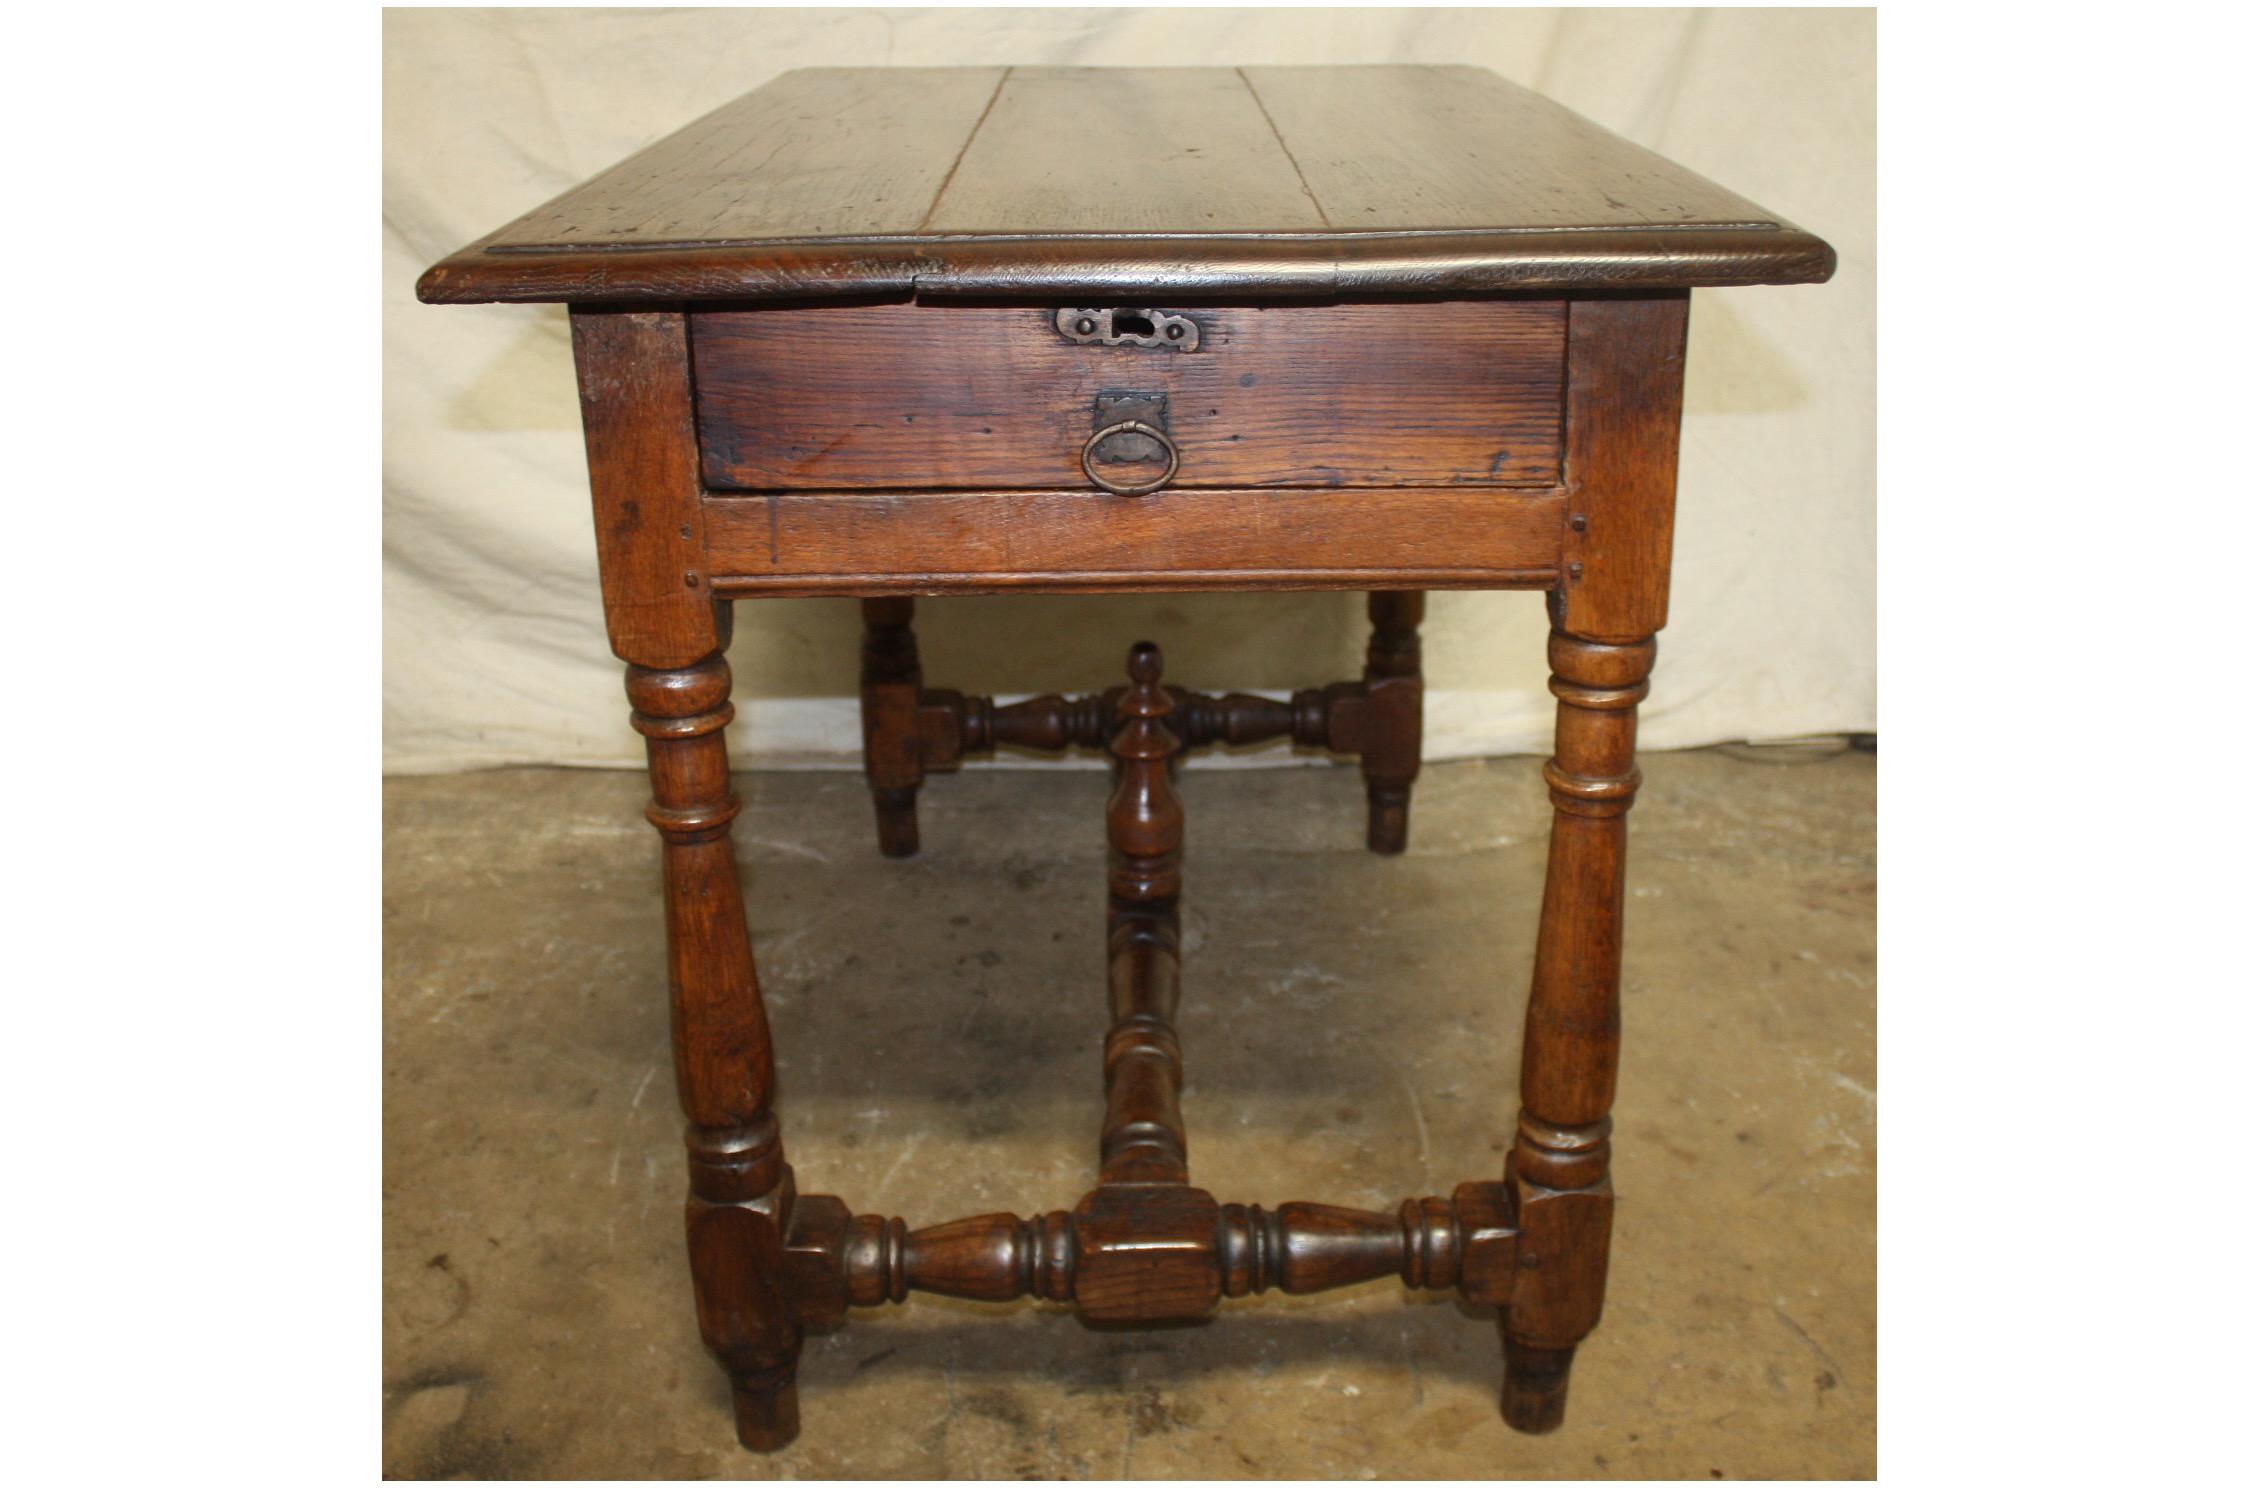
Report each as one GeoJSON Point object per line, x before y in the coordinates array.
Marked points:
{"type": "Point", "coordinates": [904, 397]}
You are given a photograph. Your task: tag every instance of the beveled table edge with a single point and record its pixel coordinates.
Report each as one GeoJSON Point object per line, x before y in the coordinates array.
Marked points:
{"type": "Point", "coordinates": [1318, 265]}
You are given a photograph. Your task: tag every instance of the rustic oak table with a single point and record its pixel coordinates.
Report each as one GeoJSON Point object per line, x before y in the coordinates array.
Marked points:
{"type": "Point", "coordinates": [885, 333]}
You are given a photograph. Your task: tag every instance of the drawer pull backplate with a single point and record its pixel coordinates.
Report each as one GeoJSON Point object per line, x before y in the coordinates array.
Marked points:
{"type": "Point", "coordinates": [1129, 428]}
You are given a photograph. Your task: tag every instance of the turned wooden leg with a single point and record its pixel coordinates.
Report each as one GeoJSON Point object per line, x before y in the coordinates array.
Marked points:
{"type": "Point", "coordinates": [1143, 1058]}
{"type": "Point", "coordinates": [740, 1189]}
{"type": "Point", "coordinates": [1396, 697]}
{"type": "Point", "coordinates": [892, 681]}
{"type": "Point", "coordinates": [1573, 1028]}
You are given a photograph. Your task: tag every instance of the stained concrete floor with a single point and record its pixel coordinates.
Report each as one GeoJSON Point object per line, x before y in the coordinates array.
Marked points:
{"type": "Point", "coordinates": [1352, 1030]}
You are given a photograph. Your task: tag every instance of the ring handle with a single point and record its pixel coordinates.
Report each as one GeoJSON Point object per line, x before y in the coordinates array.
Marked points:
{"type": "Point", "coordinates": [1130, 425]}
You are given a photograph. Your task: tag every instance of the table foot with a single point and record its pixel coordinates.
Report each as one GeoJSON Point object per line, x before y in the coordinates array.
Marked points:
{"type": "Point", "coordinates": [1535, 1386]}
{"type": "Point", "coordinates": [1388, 833]}
{"type": "Point", "coordinates": [767, 1408]}
{"type": "Point", "coordinates": [896, 821]}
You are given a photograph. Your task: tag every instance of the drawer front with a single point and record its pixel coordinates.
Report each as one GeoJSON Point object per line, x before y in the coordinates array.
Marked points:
{"type": "Point", "coordinates": [914, 397]}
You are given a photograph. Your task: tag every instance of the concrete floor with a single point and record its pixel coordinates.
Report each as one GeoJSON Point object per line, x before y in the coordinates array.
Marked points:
{"type": "Point", "coordinates": [1352, 1029]}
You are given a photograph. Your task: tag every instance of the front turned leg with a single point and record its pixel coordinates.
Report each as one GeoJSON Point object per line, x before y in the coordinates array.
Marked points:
{"type": "Point", "coordinates": [1395, 696]}
{"type": "Point", "coordinates": [1573, 1041]}
{"type": "Point", "coordinates": [740, 1189]}
{"type": "Point", "coordinates": [892, 684]}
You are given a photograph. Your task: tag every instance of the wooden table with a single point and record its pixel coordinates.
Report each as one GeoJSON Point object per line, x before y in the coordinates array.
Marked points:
{"type": "Point", "coordinates": [896, 332]}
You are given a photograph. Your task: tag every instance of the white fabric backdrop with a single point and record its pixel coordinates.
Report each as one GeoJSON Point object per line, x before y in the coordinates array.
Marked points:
{"type": "Point", "coordinates": [494, 646]}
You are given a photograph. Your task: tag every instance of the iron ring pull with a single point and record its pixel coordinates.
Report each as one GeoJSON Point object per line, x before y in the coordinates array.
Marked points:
{"type": "Point", "coordinates": [1131, 425]}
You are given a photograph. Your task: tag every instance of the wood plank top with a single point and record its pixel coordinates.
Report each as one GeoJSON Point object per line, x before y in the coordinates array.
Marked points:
{"type": "Point", "coordinates": [1302, 181]}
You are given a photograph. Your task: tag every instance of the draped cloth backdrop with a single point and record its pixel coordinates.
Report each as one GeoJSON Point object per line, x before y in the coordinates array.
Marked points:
{"type": "Point", "coordinates": [494, 644]}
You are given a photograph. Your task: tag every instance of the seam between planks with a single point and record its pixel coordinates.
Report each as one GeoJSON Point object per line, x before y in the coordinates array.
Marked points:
{"type": "Point", "coordinates": [976, 126]}
{"type": "Point", "coordinates": [1314, 201]}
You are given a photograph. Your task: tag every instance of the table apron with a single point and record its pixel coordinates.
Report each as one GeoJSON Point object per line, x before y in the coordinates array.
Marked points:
{"type": "Point", "coordinates": [938, 543]}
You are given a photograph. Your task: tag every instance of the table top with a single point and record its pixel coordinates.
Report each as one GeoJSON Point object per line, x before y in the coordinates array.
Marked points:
{"type": "Point", "coordinates": [1214, 182]}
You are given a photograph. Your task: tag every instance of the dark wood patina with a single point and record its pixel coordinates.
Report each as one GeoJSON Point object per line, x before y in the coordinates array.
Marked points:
{"type": "Point", "coordinates": [888, 333]}
{"type": "Point", "coordinates": [1122, 183]}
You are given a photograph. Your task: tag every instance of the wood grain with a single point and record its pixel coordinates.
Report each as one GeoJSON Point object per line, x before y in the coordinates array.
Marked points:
{"type": "Point", "coordinates": [909, 730]}
{"type": "Point", "coordinates": [1625, 400]}
{"type": "Point", "coordinates": [1465, 1241]}
{"type": "Point", "coordinates": [903, 396]}
{"type": "Point", "coordinates": [740, 1188]}
{"type": "Point", "coordinates": [893, 754]}
{"type": "Point", "coordinates": [815, 153]}
{"type": "Point", "coordinates": [1143, 268]}
{"type": "Point", "coordinates": [1211, 182]}
{"type": "Point", "coordinates": [1561, 1155]}
{"type": "Point", "coordinates": [1143, 1142]}
{"type": "Point", "coordinates": [635, 411]}
{"type": "Point", "coordinates": [825, 447]}
{"type": "Point", "coordinates": [1382, 719]}
{"type": "Point", "coordinates": [1456, 148]}
{"type": "Point", "coordinates": [1084, 151]}
{"type": "Point", "coordinates": [971, 542]}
